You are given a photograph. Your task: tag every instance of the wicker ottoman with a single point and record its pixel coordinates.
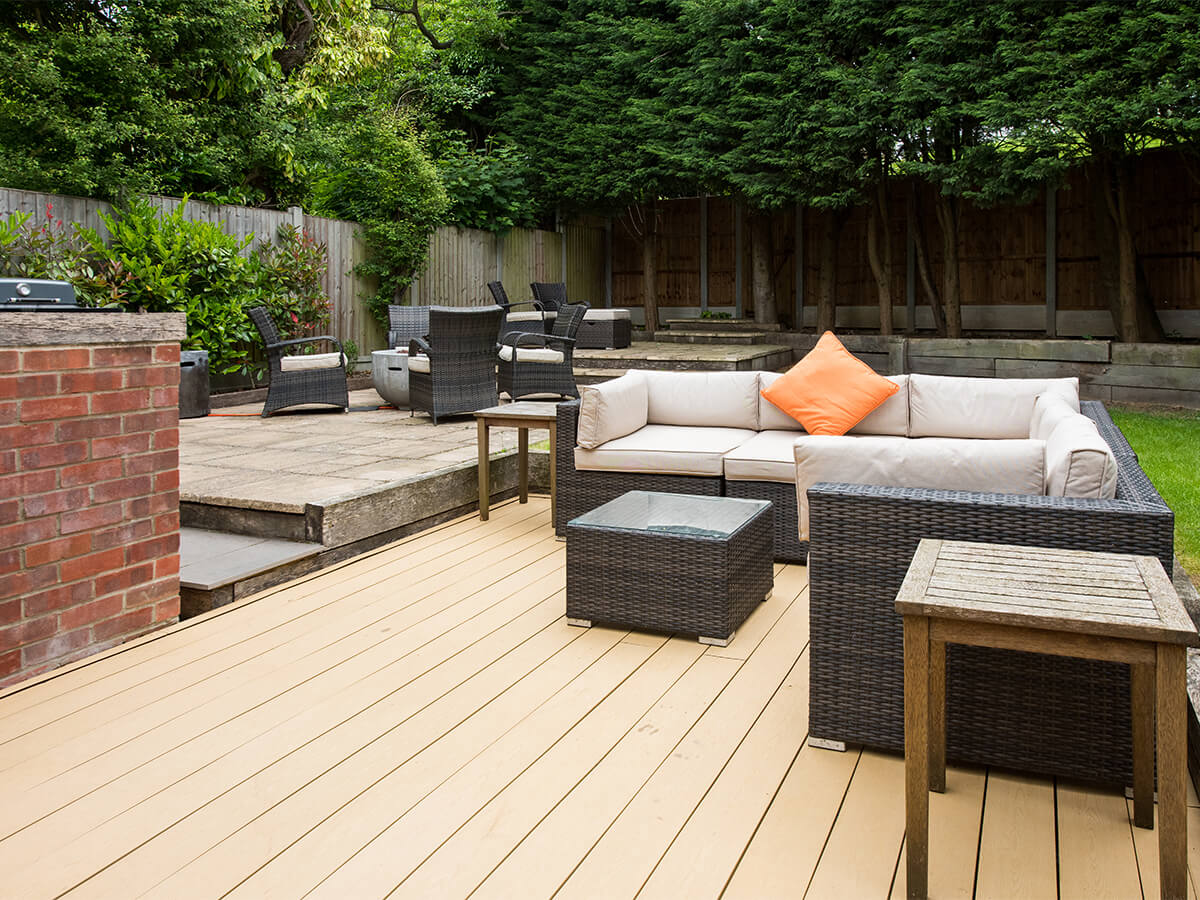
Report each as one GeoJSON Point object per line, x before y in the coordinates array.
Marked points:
{"type": "Point", "coordinates": [670, 562]}
{"type": "Point", "coordinates": [605, 329]}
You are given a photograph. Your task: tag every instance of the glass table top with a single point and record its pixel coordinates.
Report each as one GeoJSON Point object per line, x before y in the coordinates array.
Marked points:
{"type": "Point", "coordinates": [678, 514]}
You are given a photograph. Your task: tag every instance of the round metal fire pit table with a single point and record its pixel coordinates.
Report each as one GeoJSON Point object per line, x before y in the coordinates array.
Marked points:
{"type": "Point", "coordinates": [389, 371]}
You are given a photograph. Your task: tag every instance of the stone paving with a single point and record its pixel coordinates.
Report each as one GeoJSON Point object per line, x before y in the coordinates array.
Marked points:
{"type": "Point", "coordinates": [234, 457]}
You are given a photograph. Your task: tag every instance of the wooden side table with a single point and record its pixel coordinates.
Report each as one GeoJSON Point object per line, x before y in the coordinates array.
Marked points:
{"type": "Point", "coordinates": [1104, 606]}
{"type": "Point", "coordinates": [521, 415]}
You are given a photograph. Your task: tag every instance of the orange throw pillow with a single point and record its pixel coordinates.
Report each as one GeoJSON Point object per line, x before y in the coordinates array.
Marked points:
{"type": "Point", "coordinates": [830, 390]}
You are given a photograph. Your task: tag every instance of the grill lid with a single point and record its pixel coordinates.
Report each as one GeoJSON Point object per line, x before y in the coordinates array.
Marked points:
{"type": "Point", "coordinates": [39, 295]}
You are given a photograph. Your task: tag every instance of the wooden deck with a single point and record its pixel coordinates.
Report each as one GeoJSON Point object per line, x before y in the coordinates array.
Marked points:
{"type": "Point", "coordinates": [421, 722]}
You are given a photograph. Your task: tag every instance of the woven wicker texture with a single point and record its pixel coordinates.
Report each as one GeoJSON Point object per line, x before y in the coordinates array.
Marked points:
{"type": "Point", "coordinates": [699, 585]}
{"type": "Point", "coordinates": [605, 334]}
{"type": "Point", "coordinates": [324, 386]}
{"type": "Point", "coordinates": [520, 378]}
{"type": "Point", "coordinates": [500, 295]}
{"type": "Point", "coordinates": [462, 362]}
{"type": "Point", "coordinates": [1051, 715]}
{"type": "Point", "coordinates": [550, 295]}
{"type": "Point", "coordinates": [788, 546]}
{"type": "Point", "coordinates": [582, 491]}
{"type": "Point", "coordinates": [406, 323]}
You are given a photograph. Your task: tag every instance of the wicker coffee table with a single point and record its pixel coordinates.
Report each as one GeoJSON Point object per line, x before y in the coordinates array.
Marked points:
{"type": "Point", "coordinates": [670, 562]}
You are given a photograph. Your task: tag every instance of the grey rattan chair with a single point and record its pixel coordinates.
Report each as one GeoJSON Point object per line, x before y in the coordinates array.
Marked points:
{"type": "Point", "coordinates": [518, 319]}
{"type": "Point", "coordinates": [294, 380]}
{"type": "Point", "coordinates": [454, 369]}
{"type": "Point", "coordinates": [552, 295]}
{"type": "Point", "coordinates": [542, 363]}
{"type": "Point", "coordinates": [406, 323]}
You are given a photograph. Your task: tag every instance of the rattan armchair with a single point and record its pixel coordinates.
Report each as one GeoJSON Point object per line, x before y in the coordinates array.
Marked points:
{"type": "Point", "coordinates": [296, 380]}
{"type": "Point", "coordinates": [454, 369]}
{"type": "Point", "coordinates": [406, 323]}
{"type": "Point", "coordinates": [552, 295]}
{"type": "Point", "coordinates": [542, 363]}
{"type": "Point", "coordinates": [518, 319]}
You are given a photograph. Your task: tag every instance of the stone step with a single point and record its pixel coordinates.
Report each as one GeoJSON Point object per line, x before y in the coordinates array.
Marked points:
{"type": "Point", "coordinates": [686, 357]}
{"type": "Point", "coordinates": [719, 325]}
{"type": "Point", "coordinates": [713, 337]}
{"type": "Point", "coordinates": [216, 568]}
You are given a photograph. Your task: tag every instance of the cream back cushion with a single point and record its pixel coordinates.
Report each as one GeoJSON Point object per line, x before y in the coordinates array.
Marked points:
{"type": "Point", "coordinates": [994, 408]}
{"type": "Point", "coordinates": [1049, 409]}
{"type": "Point", "coordinates": [612, 409]}
{"type": "Point", "coordinates": [953, 464]}
{"type": "Point", "coordinates": [890, 417]}
{"type": "Point", "coordinates": [703, 399]}
{"type": "Point", "coordinates": [1079, 462]}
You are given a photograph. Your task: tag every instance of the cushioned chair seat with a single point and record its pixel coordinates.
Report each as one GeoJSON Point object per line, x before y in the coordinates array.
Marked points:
{"type": "Point", "coordinates": [311, 361]}
{"type": "Point", "coordinates": [665, 450]}
{"type": "Point", "coordinates": [532, 354]}
{"type": "Point", "coordinates": [768, 456]}
{"type": "Point", "coordinates": [418, 364]}
{"type": "Point", "coordinates": [530, 316]}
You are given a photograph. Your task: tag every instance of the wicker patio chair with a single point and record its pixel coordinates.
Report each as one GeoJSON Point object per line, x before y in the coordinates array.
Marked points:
{"type": "Point", "coordinates": [406, 323]}
{"type": "Point", "coordinates": [454, 369]}
{"type": "Point", "coordinates": [518, 320]}
{"type": "Point", "coordinates": [542, 363]}
{"type": "Point", "coordinates": [552, 295]}
{"type": "Point", "coordinates": [296, 380]}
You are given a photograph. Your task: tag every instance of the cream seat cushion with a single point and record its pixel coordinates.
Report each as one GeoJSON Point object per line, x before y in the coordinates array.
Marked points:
{"type": "Point", "coordinates": [611, 409]}
{"type": "Point", "coordinates": [311, 361]}
{"type": "Point", "coordinates": [890, 417]}
{"type": "Point", "coordinates": [532, 354]}
{"type": "Point", "coordinates": [959, 464]}
{"type": "Point", "coordinates": [992, 408]}
{"type": "Point", "coordinates": [703, 399]}
{"type": "Point", "coordinates": [525, 316]}
{"type": "Point", "coordinates": [664, 450]}
{"type": "Point", "coordinates": [1079, 462]}
{"type": "Point", "coordinates": [605, 315]}
{"type": "Point", "coordinates": [418, 364]}
{"type": "Point", "coordinates": [768, 456]}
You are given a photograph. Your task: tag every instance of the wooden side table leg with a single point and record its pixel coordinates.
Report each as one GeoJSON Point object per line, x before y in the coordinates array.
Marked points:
{"type": "Point", "coordinates": [523, 453]}
{"type": "Point", "coordinates": [553, 473]}
{"type": "Point", "coordinates": [916, 754]}
{"type": "Point", "coordinates": [937, 716]}
{"type": "Point", "coordinates": [1141, 707]}
{"type": "Point", "coordinates": [484, 493]}
{"type": "Point", "coordinates": [1171, 691]}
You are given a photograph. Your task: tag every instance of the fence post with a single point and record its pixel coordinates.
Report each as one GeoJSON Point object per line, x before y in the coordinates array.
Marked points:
{"type": "Point", "coordinates": [910, 264]}
{"type": "Point", "coordinates": [703, 252]}
{"type": "Point", "coordinates": [737, 259]}
{"type": "Point", "coordinates": [608, 268]}
{"type": "Point", "coordinates": [1051, 261]}
{"type": "Point", "coordinates": [799, 319]}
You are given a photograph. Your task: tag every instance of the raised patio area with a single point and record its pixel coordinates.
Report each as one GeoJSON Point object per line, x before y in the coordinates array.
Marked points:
{"type": "Point", "coordinates": [420, 721]}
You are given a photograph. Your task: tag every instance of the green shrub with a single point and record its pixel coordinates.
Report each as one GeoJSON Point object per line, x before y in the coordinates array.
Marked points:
{"type": "Point", "coordinates": [291, 275]}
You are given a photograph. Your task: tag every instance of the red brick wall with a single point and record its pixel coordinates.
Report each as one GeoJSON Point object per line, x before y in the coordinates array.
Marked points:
{"type": "Point", "coordinates": [89, 500]}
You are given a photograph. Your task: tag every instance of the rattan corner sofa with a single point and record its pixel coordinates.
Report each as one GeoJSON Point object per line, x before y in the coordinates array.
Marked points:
{"type": "Point", "coordinates": [1035, 713]}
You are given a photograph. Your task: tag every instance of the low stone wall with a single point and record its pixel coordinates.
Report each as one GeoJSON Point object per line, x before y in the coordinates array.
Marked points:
{"type": "Point", "coordinates": [89, 483]}
{"type": "Point", "coordinates": [1167, 374]}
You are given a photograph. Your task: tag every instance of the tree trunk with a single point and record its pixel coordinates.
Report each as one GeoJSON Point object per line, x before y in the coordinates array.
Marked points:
{"type": "Point", "coordinates": [831, 232]}
{"type": "Point", "coordinates": [948, 215]}
{"type": "Point", "coordinates": [881, 262]}
{"type": "Point", "coordinates": [650, 268]}
{"type": "Point", "coordinates": [923, 268]}
{"type": "Point", "coordinates": [1122, 282]}
{"type": "Point", "coordinates": [762, 284]}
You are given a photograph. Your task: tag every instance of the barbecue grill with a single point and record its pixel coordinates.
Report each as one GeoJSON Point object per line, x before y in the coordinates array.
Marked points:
{"type": "Point", "coordinates": [40, 295]}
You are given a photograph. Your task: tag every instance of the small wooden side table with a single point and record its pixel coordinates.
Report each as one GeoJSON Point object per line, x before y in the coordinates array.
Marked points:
{"type": "Point", "coordinates": [522, 415]}
{"type": "Point", "coordinates": [1105, 606]}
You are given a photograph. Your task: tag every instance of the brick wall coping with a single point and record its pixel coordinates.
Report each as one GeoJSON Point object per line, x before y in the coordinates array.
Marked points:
{"type": "Point", "coordinates": [33, 329]}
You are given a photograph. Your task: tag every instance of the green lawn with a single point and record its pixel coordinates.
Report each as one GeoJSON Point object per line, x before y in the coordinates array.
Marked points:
{"type": "Point", "coordinates": [1167, 443]}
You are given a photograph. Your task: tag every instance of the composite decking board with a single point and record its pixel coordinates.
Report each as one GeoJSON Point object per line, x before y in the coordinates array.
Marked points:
{"type": "Point", "coordinates": [257, 819]}
{"type": "Point", "coordinates": [953, 837]}
{"type": "Point", "coordinates": [1145, 848]}
{"type": "Point", "coordinates": [784, 849]}
{"type": "Point", "coordinates": [702, 856]}
{"type": "Point", "coordinates": [264, 679]}
{"type": "Point", "coordinates": [626, 855]}
{"type": "Point", "coordinates": [400, 691]}
{"type": "Point", "coordinates": [1095, 845]}
{"type": "Point", "coordinates": [546, 856]}
{"type": "Point", "coordinates": [244, 688]}
{"type": "Point", "coordinates": [365, 675]}
{"type": "Point", "coordinates": [411, 728]}
{"type": "Point", "coordinates": [671, 698]}
{"type": "Point", "coordinates": [860, 856]}
{"type": "Point", "coordinates": [371, 870]}
{"type": "Point", "coordinates": [196, 648]}
{"type": "Point", "coordinates": [1017, 856]}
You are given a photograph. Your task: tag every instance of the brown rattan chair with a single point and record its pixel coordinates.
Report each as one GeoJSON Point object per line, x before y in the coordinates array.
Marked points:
{"type": "Point", "coordinates": [542, 363]}
{"type": "Point", "coordinates": [296, 380]}
{"type": "Point", "coordinates": [453, 370]}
